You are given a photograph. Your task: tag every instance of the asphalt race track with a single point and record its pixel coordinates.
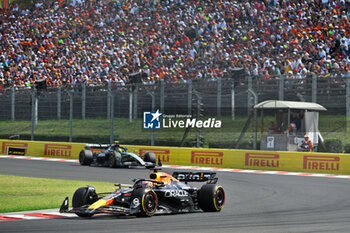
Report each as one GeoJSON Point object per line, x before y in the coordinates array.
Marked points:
{"type": "Point", "coordinates": [254, 203]}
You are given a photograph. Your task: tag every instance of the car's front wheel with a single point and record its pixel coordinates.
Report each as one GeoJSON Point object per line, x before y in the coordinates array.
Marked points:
{"type": "Point", "coordinates": [148, 202]}
{"type": "Point", "coordinates": [84, 196]}
{"type": "Point", "coordinates": [150, 157]}
{"type": "Point", "coordinates": [211, 198]}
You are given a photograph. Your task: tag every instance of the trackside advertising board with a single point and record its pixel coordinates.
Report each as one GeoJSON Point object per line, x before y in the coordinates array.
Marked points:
{"type": "Point", "coordinates": [44, 149]}
{"type": "Point", "coordinates": [202, 157]}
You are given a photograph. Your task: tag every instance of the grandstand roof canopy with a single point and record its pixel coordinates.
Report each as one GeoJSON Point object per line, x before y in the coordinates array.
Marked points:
{"type": "Point", "coordinates": [279, 104]}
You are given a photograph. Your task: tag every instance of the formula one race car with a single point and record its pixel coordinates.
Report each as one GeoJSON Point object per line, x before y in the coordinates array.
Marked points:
{"type": "Point", "coordinates": [161, 193]}
{"type": "Point", "coordinates": [114, 156]}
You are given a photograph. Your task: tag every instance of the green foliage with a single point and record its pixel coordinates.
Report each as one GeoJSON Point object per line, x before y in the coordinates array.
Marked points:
{"type": "Point", "coordinates": [231, 145]}
{"type": "Point", "coordinates": [226, 145]}
{"type": "Point", "coordinates": [332, 146]}
{"type": "Point", "coordinates": [246, 145]}
{"type": "Point", "coordinates": [347, 148]}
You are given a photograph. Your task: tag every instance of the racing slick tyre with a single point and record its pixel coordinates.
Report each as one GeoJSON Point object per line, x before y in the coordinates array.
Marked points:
{"type": "Point", "coordinates": [83, 196]}
{"type": "Point", "coordinates": [150, 157]}
{"type": "Point", "coordinates": [85, 157]}
{"type": "Point", "coordinates": [114, 159]}
{"type": "Point", "coordinates": [211, 198]}
{"type": "Point", "coordinates": [148, 201]}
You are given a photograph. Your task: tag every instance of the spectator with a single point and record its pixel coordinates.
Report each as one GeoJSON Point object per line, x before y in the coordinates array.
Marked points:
{"type": "Point", "coordinates": [91, 41]}
{"type": "Point", "coordinates": [272, 129]}
{"type": "Point", "coordinates": [292, 129]}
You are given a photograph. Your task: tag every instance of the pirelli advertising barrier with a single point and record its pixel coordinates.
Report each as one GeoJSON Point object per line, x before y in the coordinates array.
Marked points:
{"type": "Point", "coordinates": [221, 158]}
{"type": "Point", "coordinates": [252, 159]}
{"type": "Point", "coordinates": [62, 150]}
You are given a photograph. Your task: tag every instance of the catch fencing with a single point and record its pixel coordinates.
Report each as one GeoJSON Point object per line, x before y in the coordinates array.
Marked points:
{"type": "Point", "coordinates": [219, 97]}
{"type": "Point", "coordinates": [228, 98]}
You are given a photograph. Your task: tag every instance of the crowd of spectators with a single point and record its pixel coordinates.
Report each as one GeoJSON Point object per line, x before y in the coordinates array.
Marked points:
{"type": "Point", "coordinates": [97, 41]}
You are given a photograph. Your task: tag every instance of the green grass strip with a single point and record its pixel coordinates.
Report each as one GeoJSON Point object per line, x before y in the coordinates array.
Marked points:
{"type": "Point", "coordinates": [19, 193]}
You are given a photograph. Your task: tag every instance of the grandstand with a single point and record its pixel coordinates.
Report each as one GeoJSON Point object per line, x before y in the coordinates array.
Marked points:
{"type": "Point", "coordinates": [95, 41]}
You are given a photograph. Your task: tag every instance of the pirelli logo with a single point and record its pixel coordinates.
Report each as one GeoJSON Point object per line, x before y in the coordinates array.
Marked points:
{"type": "Point", "coordinates": [7, 145]}
{"type": "Point", "coordinates": [58, 150]}
{"type": "Point", "coordinates": [262, 160]}
{"type": "Point", "coordinates": [207, 157]}
{"type": "Point", "coordinates": [323, 163]}
{"type": "Point", "coordinates": [163, 154]}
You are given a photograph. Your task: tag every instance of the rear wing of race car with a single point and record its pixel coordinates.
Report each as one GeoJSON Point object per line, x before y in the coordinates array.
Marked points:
{"type": "Point", "coordinates": [196, 177]}
{"type": "Point", "coordinates": [96, 146]}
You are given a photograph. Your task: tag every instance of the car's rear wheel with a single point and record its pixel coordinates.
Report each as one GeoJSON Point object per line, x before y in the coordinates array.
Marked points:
{"type": "Point", "coordinates": [211, 198]}
{"type": "Point", "coordinates": [85, 157]}
{"type": "Point", "coordinates": [115, 159]}
{"type": "Point", "coordinates": [150, 157]}
{"type": "Point", "coordinates": [148, 203]}
{"type": "Point", "coordinates": [83, 196]}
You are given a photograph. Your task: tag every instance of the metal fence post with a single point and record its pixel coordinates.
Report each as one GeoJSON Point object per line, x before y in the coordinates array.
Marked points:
{"type": "Point", "coordinates": [162, 96]}
{"type": "Point", "coordinates": [130, 105]}
{"type": "Point", "coordinates": [36, 103]}
{"type": "Point", "coordinates": [314, 88]}
{"type": "Point", "coordinates": [83, 101]}
{"type": "Point", "coordinates": [112, 119]}
{"type": "Point", "coordinates": [348, 102]}
{"type": "Point", "coordinates": [233, 101]}
{"type": "Point", "coordinates": [218, 104]}
{"type": "Point", "coordinates": [135, 100]}
{"type": "Point", "coordinates": [33, 110]}
{"type": "Point", "coordinates": [70, 114]}
{"type": "Point", "coordinates": [198, 116]}
{"type": "Point", "coordinates": [151, 93]}
{"type": "Point", "coordinates": [109, 87]}
{"type": "Point", "coordinates": [189, 97]}
{"type": "Point", "coordinates": [281, 87]}
{"type": "Point", "coordinates": [153, 109]}
{"type": "Point", "coordinates": [13, 96]}
{"type": "Point", "coordinates": [250, 86]}
{"type": "Point", "coordinates": [59, 103]}
{"type": "Point", "coordinates": [255, 136]}
{"type": "Point", "coordinates": [198, 131]}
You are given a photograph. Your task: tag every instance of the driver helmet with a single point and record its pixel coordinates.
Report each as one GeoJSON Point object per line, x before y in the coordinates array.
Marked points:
{"type": "Point", "coordinates": [306, 136]}
{"type": "Point", "coordinates": [114, 145]}
{"type": "Point", "coordinates": [147, 184]}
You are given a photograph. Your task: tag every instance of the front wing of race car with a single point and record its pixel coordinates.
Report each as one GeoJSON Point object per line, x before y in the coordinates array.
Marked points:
{"type": "Point", "coordinates": [136, 162]}
{"type": "Point", "coordinates": [100, 206]}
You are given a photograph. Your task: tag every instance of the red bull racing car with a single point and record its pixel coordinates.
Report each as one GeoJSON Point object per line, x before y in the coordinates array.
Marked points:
{"type": "Point", "coordinates": [161, 193]}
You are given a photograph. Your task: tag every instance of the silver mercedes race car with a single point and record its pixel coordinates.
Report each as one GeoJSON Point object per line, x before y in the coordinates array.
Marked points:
{"type": "Point", "coordinates": [114, 155]}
